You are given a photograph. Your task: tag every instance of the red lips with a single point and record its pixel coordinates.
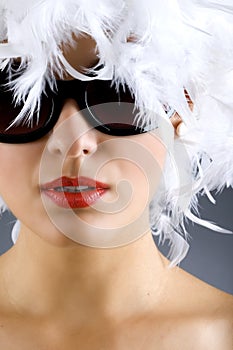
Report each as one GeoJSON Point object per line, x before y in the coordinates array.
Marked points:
{"type": "Point", "coordinates": [74, 193]}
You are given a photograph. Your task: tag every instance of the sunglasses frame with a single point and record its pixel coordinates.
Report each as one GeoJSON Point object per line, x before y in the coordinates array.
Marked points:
{"type": "Point", "coordinates": [70, 89]}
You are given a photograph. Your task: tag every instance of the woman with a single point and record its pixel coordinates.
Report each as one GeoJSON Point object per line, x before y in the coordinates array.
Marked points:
{"type": "Point", "coordinates": [84, 272]}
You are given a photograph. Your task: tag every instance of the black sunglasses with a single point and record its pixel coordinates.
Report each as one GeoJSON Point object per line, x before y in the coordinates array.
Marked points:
{"type": "Point", "coordinates": [111, 111]}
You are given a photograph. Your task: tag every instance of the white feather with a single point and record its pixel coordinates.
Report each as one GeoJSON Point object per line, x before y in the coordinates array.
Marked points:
{"type": "Point", "coordinates": [175, 44]}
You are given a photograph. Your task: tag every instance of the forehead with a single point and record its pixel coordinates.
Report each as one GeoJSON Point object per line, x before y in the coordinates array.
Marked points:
{"type": "Point", "coordinates": [81, 53]}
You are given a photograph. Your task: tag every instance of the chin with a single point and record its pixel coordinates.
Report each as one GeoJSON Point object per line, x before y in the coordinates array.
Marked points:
{"type": "Point", "coordinates": [57, 239]}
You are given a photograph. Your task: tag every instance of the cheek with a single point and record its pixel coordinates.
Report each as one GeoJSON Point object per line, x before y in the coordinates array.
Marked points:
{"type": "Point", "coordinates": [154, 163]}
{"type": "Point", "coordinates": [19, 164]}
{"type": "Point", "coordinates": [147, 167]}
{"type": "Point", "coordinates": [136, 169]}
{"type": "Point", "coordinates": [11, 169]}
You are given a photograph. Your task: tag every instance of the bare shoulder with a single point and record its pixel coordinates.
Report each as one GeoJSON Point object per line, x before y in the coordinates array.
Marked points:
{"type": "Point", "coordinates": [205, 312]}
{"type": "Point", "coordinates": [203, 296]}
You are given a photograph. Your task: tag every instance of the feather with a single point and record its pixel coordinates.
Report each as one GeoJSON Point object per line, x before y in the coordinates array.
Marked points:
{"type": "Point", "coordinates": [175, 45]}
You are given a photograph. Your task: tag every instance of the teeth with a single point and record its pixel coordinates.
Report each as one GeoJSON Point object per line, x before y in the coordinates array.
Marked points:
{"type": "Point", "coordinates": [74, 189]}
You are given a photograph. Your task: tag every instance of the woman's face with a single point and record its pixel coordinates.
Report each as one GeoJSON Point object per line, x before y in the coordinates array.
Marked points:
{"type": "Point", "coordinates": [39, 181]}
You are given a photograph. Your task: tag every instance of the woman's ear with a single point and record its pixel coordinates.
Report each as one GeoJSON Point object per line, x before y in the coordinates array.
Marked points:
{"type": "Point", "coordinates": [177, 122]}
{"type": "Point", "coordinates": [178, 125]}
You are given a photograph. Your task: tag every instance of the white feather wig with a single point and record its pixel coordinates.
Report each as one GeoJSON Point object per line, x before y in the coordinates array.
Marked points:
{"type": "Point", "coordinates": [175, 46]}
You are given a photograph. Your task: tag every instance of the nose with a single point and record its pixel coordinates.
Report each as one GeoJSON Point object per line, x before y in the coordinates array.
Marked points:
{"type": "Point", "coordinates": [72, 136]}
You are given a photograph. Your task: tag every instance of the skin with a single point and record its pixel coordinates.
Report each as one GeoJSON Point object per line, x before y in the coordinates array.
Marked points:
{"type": "Point", "coordinates": [58, 294]}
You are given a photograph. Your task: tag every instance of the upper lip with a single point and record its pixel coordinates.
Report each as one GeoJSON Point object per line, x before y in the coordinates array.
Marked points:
{"type": "Point", "coordinates": [65, 181]}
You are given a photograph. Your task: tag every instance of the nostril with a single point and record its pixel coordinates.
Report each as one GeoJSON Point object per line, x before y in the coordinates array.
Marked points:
{"type": "Point", "coordinates": [85, 151]}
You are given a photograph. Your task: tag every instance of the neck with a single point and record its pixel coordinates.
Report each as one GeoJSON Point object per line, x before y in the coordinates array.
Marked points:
{"type": "Point", "coordinates": [47, 280]}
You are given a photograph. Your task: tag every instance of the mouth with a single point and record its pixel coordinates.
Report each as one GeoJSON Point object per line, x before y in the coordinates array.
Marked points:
{"type": "Point", "coordinates": [74, 193]}
{"type": "Point", "coordinates": [74, 189]}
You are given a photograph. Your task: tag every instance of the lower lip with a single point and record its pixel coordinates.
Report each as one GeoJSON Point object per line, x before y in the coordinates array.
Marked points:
{"type": "Point", "coordinates": [75, 200]}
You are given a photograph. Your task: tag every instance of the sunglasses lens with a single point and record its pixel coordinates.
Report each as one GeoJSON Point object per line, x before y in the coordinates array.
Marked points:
{"type": "Point", "coordinates": [9, 112]}
{"type": "Point", "coordinates": [113, 110]}
{"type": "Point", "coordinates": [108, 109]}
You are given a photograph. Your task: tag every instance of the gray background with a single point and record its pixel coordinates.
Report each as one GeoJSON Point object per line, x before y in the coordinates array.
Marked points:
{"type": "Point", "coordinates": [210, 256]}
